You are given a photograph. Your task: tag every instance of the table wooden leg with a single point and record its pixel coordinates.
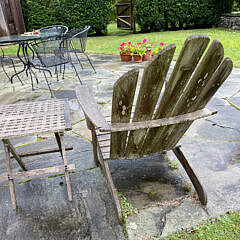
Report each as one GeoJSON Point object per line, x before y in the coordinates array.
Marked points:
{"type": "Point", "coordinates": [60, 141]}
{"type": "Point", "coordinates": [10, 180]}
{"type": "Point", "coordinates": [14, 153]}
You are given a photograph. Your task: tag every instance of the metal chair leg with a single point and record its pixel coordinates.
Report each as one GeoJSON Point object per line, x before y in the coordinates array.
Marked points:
{"type": "Point", "coordinates": [90, 62]}
{"type": "Point", "coordinates": [78, 60]}
{"type": "Point", "coordinates": [6, 72]}
{"type": "Point", "coordinates": [76, 72]}
{"type": "Point", "coordinates": [52, 96]}
{"type": "Point", "coordinates": [16, 73]}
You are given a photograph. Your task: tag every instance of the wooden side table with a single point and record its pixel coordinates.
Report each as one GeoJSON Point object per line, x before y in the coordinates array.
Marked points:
{"type": "Point", "coordinates": [17, 120]}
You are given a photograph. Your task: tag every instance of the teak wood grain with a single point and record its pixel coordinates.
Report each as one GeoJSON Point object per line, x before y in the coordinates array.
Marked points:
{"type": "Point", "coordinates": [122, 102]}
{"type": "Point", "coordinates": [188, 59]}
{"type": "Point", "coordinates": [153, 79]}
{"type": "Point", "coordinates": [187, 101]}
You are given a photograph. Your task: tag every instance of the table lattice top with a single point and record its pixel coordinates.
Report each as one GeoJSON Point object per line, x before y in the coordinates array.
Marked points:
{"type": "Point", "coordinates": [34, 117]}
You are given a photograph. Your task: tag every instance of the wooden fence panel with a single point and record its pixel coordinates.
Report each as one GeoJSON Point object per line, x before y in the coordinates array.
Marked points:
{"type": "Point", "coordinates": [11, 18]}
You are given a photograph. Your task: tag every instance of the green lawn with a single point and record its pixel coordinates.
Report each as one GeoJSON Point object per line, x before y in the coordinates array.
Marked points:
{"type": "Point", "coordinates": [110, 44]}
{"type": "Point", "coordinates": [225, 228]}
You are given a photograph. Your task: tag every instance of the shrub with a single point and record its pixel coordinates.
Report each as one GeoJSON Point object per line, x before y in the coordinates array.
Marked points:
{"type": "Point", "coordinates": [72, 13]}
{"type": "Point", "coordinates": [157, 15]}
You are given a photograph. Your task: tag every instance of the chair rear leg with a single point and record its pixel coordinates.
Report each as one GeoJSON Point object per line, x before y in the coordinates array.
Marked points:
{"type": "Point", "coordinates": [79, 60]}
{"type": "Point", "coordinates": [52, 96]}
{"type": "Point", "coordinates": [194, 179]}
{"type": "Point", "coordinates": [6, 72]}
{"type": "Point", "coordinates": [64, 67]}
{"type": "Point", "coordinates": [34, 74]}
{"type": "Point", "coordinates": [10, 180]}
{"type": "Point", "coordinates": [16, 72]}
{"type": "Point", "coordinates": [90, 62]}
{"type": "Point", "coordinates": [31, 79]}
{"type": "Point", "coordinates": [76, 72]}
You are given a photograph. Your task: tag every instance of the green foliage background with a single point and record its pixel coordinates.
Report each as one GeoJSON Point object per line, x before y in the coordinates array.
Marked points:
{"type": "Point", "coordinates": [157, 15]}
{"type": "Point", "coordinates": [73, 13]}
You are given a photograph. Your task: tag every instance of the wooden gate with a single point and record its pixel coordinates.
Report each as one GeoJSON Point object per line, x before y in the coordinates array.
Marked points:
{"type": "Point", "coordinates": [125, 16]}
{"type": "Point", "coordinates": [11, 18]}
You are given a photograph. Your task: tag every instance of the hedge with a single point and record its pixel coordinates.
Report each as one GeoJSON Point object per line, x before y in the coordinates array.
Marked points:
{"type": "Point", "coordinates": [157, 15]}
{"type": "Point", "coordinates": [72, 13]}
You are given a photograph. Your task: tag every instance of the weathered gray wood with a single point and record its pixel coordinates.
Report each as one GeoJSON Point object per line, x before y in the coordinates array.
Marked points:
{"type": "Point", "coordinates": [45, 151]}
{"type": "Point", "coordinates": [188, 59]}
{"type": "Point", "coordinates": [113, 191]}
{"type": "Point", "coordinates": [31, 173]}
{"type": "Point", "coordinates": [10, 180]}
{"type": "Point", "coordinates": [122, 101]}
{"type": "Point", "coordinates": [118, 127]}
{"type": "Point", "coordinates": [187, 100]}
{"type": "Point", "coordinates": [68, 122]}
{"type": "Point", "coordinates": [153, 79]}
{"type": "Point", "coordinates": [192, 175]}
{"type": "Point", "coordinates": [63, 153]}
{"type": "Point", "coordinates": [105, 168]}
{"type": "Point", "coordinates": [14, 153]}
{"type": "Point", "coordinates": [210, 89]}
{"type": "Point", "coordinates": [89, 106]}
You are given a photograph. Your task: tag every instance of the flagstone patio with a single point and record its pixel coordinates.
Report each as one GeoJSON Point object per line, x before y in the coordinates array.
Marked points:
{"type": "Point", "coordinates": [159, 192]}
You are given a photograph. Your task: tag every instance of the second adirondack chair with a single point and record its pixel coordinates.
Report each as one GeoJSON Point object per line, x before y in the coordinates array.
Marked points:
{"type": "Point", "coordinates": [158, 121]}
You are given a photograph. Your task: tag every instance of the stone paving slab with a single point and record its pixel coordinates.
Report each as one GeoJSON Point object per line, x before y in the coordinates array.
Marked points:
{"type": "Point", "coordinates": [211, 146]}
{"type": "Point", "coordinates": [45, 212]}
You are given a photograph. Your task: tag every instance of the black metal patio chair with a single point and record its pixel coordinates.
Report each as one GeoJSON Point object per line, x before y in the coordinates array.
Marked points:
{"type": "Point", "coordinates": [54, 29]}
{"type": "Point", "coordinates": [5, 59]}
{"type": "Point", "coordinates": [47, 54]}
{"type": "Point", "coordinates": [76, 43]}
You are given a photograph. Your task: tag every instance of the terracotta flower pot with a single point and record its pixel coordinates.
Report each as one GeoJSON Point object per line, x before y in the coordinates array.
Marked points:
{"type": "Point", "coordinates": [137, 58]}
{"type": "Point", "coordinates": [147, 56]}
{"type": "Point", "coordinates": [126, 57]}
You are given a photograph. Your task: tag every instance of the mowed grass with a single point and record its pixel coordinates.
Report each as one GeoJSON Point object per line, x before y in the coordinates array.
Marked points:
{"type": "Point", "coordinates": [110, 44]}
{"type": "Point", "coordinates": [224, 228]}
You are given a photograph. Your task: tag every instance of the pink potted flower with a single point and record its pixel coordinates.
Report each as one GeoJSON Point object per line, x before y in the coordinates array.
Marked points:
{"type": "Point", "coordinates": [148, 46]}
{"type": "Point", "coordinates": [125, 51]}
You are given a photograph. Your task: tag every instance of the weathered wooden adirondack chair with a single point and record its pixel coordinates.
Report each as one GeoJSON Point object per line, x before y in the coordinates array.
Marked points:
{"type": "Point", "coordinates": [156, 125]}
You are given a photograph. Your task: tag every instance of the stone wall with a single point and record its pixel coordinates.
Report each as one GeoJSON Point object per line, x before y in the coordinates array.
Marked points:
{"type": "Point", "coordinates": [230, 20]}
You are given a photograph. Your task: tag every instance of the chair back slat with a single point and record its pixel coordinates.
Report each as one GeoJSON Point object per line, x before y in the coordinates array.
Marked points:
{"type": "Point", "coordinates": [78, 40]}
{"type": "Point", "coordinates": [153, 79]}
{"type": "Point", "coordinates": [205, 96]}
{"type": "Point", "coordinates": [187, 101]}
{"type": "Point", "coordinates": [123, 96]}
{"type": "Point", "coordinates": [187, 61]}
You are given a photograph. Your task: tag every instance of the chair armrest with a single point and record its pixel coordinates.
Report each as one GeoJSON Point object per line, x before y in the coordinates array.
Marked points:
{"type": "Point", "coordinates": [89, 106]}
{"type": "Point", "coordinates": [118, 127]}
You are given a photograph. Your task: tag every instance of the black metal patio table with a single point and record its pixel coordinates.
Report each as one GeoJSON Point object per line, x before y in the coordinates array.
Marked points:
{"type": "Point", "coordinates": [23, 43]}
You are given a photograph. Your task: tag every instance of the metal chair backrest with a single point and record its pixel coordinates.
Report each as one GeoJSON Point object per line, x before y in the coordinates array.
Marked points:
{"type": "Point", "coordinates": [78, 39]}
{"type": "Point", "coordinates": [54, 30]}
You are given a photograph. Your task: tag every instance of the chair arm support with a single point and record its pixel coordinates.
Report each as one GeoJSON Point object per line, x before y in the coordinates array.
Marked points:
{"type": "Point", "coordinates": [117, 127]}
{"type": "Point", "coordinates": [89, 106]}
